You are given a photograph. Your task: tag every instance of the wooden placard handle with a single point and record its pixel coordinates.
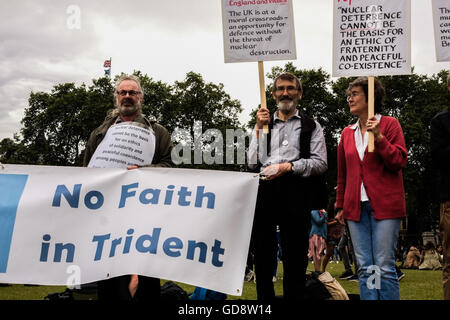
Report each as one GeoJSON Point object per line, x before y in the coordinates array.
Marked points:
{"type": "Point", "coordinates": [371, 110]}
{"type": "Point", "coordinates": [262, 91]}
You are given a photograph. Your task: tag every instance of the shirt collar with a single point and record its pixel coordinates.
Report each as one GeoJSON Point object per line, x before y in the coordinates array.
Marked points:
{"type": "Point", "coordinates": [356, 125]}
{"type": "Point", "coordinates": [275, 117]}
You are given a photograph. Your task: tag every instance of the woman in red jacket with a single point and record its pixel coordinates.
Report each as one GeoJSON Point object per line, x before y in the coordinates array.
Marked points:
{"type": "Point", "coordinates": [370, 194]}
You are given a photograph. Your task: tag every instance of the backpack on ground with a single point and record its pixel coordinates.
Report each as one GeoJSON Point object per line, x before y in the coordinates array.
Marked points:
{"type": "Point", "coordinates": [206, 294]}
{"type": "Point", "coordinates": [171, 291]}
{"type": "Point", "coordinates": [335, 289]}
{"type": "Point", "coordinates": [315, 289]}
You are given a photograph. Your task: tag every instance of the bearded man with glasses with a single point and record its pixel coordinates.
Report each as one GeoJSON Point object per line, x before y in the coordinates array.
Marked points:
{"type": "Point", "coordinates": [287, 159]}
{"type": "Point", "coordinates": [128, 97]}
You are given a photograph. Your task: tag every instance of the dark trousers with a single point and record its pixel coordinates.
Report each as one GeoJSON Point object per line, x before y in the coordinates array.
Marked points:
{"type": "Point", "coordinates": [347, 241]}
{"type": "Point", "coordinates": [117, 289]}
{"type": "Point", "coordinates": [282, 202]}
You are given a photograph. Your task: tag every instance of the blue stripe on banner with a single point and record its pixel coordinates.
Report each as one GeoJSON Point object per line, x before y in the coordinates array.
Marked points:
{"type": "Point", "coordinates": [11, 189]}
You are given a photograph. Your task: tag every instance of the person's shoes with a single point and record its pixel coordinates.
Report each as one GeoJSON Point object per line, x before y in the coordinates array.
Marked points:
{"type": "Point", "coordinates": [249, 276]}
{"type": "Point", "coordinates": [315, 274]}
{"type": "Point", "coordinates": [346, 275]}
{"type": "Point", "coordinates": [353, 278]}
{"type": "Point", "coordinates": [401, 275]}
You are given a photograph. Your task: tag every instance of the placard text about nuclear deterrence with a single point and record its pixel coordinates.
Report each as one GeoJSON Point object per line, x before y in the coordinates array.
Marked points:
{"type": "Point", "coordinates": [371, 38]}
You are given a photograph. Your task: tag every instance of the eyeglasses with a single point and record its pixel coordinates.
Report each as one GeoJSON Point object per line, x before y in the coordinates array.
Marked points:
{"type": "Point", "coordinates": [132, 93]}
{"type": "Point", "coordinates": [353, 94]}
{"type": "Point", "coordinates": [290, 89]}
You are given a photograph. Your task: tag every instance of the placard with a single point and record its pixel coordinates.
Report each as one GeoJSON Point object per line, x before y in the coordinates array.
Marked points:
{"type": "Point", "coordinates": [125, 144]}
{"type": "Point", "coordinates": [441, 19]}
{"type": "Point", "coordinates": [371, 37]}
{"type": "Point", "coordinates": [258, 30]}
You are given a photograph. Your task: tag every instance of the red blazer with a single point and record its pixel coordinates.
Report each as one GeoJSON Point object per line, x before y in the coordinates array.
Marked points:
{"type": "Point", "coordinates": [380, 171]}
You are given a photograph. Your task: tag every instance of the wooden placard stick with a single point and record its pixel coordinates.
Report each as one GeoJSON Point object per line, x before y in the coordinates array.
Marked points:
{"type": "Point", "coordinates": [371, 110]}
{"type": "Point", "coordinates": [262, 91]}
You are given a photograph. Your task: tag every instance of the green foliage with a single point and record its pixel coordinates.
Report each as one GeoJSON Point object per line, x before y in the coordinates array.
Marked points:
{"type": "Point", "coordinates": [57, 125]}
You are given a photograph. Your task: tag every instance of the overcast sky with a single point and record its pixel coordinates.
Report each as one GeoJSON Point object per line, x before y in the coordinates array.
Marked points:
{"type": "Point", "coordinates": [164, 39]}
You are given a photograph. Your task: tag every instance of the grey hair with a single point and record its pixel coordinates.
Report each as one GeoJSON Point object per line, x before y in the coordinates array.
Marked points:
{"type": "Point", "coordinates": [115, 112]}
{"type": "Point", "coordinates": [289, 77]}
{"type": "Point", "coordinates": [127, 77]}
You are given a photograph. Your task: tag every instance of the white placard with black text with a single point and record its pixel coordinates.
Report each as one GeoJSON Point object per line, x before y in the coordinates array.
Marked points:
{"type": "Point", "coordinates": [258, 30]}
{"type": "Point", "coordinates": [371, 37]}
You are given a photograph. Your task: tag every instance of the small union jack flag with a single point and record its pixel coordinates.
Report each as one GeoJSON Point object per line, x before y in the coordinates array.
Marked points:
{"type": "Point", "coordinates": [107, 64]}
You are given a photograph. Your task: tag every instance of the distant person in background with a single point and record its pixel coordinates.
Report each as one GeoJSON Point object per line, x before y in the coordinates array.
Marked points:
{"type": "Point", "coordinates": [440, 152]}
{"type": "Point", "coordinates": [412, 260]}
{"type": "Point", "coordinates": [279, 256]}
{"type": "Point", "coordinates": [370, 194]}
{"type": "Point", "coordinates": [335, 231]}
{"type": "Point", "coordinates": [317, 239]}
{"type": "Point", "coordinates": [345, 248]}
{"type": "Point", "coordinates": [440, 251]}
{"type": "Point", "coordinates": [430, 259]}
{"type": "Point", "coordinates": [249, 273]}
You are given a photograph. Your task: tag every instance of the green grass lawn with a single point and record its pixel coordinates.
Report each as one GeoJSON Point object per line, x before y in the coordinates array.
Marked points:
{"type": "Point", "coordinates": [417, 285]}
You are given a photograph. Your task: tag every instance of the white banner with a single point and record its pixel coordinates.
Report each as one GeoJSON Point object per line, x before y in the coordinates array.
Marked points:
{"type": "Point", "coordinates": [69, 226]}
{"type": "Point", "coordinates": [258, 30]}
{"type": "Point", "coordinates": [124, 145]}
{"type": "Point", "coordinates": [441, 19]}
{"type": "Point", "coordinates": [371, 37]}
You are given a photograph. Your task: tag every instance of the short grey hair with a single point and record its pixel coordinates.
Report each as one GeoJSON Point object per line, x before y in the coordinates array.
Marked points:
{"type": "Point", "coordinates": [115, 112]}
{"type": "Point", "coordinates": [127, 77]}
{"type": "Point", "coordinates": [289, 77]}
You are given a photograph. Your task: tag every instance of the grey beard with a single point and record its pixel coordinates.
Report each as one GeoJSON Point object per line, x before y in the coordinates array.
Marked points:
{"type": "Point", "coordinates": [128, 111]}
{"type": "Point", "coordinates": [286, 108]}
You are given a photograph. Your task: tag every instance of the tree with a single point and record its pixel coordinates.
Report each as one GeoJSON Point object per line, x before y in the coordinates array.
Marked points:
{"type": "Point", "coordinates": [57, 125]}
{"type": "Point", "coordinates": [51, 127]}
{"type": "Point", "coordinates": [195, 107]}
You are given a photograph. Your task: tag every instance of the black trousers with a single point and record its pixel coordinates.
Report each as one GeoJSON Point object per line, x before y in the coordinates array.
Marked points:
{"type": "Point", "coordinates": [115, 289]}
{"type": "Point", "coordinates": [283, 202]}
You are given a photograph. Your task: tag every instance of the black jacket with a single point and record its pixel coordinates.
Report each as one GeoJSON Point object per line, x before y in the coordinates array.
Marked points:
{"type": "Point", "coordinates": [440, 151]}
